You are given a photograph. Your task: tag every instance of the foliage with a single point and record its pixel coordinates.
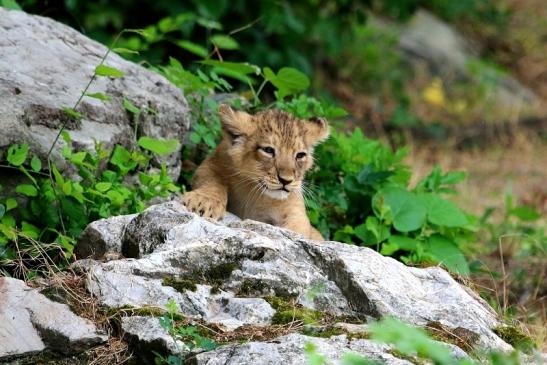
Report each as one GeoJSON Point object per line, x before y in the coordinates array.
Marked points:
{"type": "Point", "coordinates": [57, 210]}
{"type": "Point", "coordinates": [361, 195]}
{"type": "Point", "coordinates": [187, 335]}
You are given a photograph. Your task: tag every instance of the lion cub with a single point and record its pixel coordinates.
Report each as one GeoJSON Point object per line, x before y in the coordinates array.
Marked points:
{"type": "Point", "coordinates": [258, 169]}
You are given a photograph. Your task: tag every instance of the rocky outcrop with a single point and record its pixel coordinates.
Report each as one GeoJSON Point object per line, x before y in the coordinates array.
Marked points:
{"type": "Point", "coordinates": [44, 68]}
{"type": "Point", "coordinates": [226, 274]}
{"type": "Point", "coordinates": [31, 323]}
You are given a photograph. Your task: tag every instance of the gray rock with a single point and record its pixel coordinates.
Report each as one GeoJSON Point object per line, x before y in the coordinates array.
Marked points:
{"type": "Point", "coordinates": [102, 236]}
{"type": "Point", "coordinates": [146, 335]}
{"type": "Point", "coordinates": [289, 350]}
{"type": "Point", "coordinates": [261, 260]}
{"type": "Point", "coordinates": [32, 323]}
{"type": "Point", "coordinates": [427, 40]}
{"type": "Point", "coordinates": [33, 92]}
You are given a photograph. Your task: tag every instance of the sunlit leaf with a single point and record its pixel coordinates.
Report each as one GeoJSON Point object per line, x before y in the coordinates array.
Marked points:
{"type": "Point", "coordinates": [104, 70]}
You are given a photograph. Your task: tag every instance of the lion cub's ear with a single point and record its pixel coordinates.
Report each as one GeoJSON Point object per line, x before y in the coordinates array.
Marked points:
{"type": "Point", "coordinates": [236, 124]}
{"type": "Point", "coordinates": [317, 130]}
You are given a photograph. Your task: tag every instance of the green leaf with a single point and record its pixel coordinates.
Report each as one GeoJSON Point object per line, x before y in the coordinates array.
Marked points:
{"type": "Point", "coordinates": [122, 159]}
{"type": "Point", "coordinates": [159, 146]}
{"type": "Point", "coordinates": [11, 203]}
{"type": "Point", "coordinates": [193, 48]}
{"type": "Point", "coordinates": [224, 42]}
{"type": "Point", "coordinates": [103, 186]}
{"type": "Point", "coordinates": [30, 230]}
{"type": "Point", "coordinates": [99, 96]}
{"type": "Point", "coordinates": [443, 212]}
{"type": "Point", "coordinates": [35, 164]}
{"type": "Point", "coordinates": [10, 4]}
{"type": "Point", "coordinates": [525, 213]}
{"type": "Point", "coordinates": [104, 70]}
{"type": "Point", "coordinates": [446, 252]}
{"type": "Point", "coordinates": [66, 137]}
{"type": "Point", "coordinates": [407, 211]}
{"type": "Point", "coordinates": [27, 190]}
{"type": "Point", "coordinates": [130, 107]}
{"type": "Point", "coordinates": [239, 67]}
{"type": "Point", "coordinates": [2, 210]}
{"type": "Point", "coordinates": [67, 187]}
{"type": "Point", "coordinates": [209, 24]}
{"type": "Point", "coordinates": [17, 154]}
{"type": "Point", "coordinates": [124, 51]}
{"type": "Point", "coordinates": [288, 80]}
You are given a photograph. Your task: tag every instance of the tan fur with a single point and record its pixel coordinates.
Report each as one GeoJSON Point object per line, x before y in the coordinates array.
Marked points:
{"type": "Point", "coordinates": [244, 177]}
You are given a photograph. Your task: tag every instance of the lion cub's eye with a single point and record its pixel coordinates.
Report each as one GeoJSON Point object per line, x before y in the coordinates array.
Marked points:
{"type": "Point", "coordinates": [268, 150]}
{"type": "Point", "coordinates": [300, 155]}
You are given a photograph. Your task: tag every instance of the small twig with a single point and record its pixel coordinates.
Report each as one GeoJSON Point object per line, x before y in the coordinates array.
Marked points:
{"type": "Point", "coordinates": [247, 26]}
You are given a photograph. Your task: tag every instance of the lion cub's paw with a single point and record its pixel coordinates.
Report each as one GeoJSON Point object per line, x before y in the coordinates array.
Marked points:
{"type": "Point", "coordinates": [203, 205]}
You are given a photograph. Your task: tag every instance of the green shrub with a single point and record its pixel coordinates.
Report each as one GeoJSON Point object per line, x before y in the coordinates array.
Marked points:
{"type": "Point", "coordinates": [58, 209]}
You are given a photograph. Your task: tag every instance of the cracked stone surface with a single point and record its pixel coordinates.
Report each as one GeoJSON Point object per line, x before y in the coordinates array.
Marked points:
{"type": "Point", "coordinates": [34, 92]}
{"type": "Point", "coordinates": [31, 323]}
{"type": "Point", "coordinates": [234, 264]}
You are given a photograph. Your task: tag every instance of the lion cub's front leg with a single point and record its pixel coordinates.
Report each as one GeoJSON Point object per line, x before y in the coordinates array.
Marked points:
{"type": "Point", "coordinates": [209, 195]}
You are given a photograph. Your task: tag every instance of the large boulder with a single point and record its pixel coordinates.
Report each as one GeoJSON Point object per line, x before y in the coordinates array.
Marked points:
{"type": "Point", "coordinates": [44, 68]}
{"type": "Point", "coordinates": [230, 273]}
{"type": "Point", "coordinates": [31, 323]}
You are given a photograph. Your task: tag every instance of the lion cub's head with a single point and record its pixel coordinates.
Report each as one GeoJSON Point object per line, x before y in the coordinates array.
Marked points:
{"type": "Point", "coordinates": [271, 149]}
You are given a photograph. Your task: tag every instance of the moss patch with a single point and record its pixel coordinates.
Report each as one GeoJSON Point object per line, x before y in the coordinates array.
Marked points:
{"type": "Point", "coordinates": [251, 287]}
{"type": "Point", "coordinates": [290, 311]}
{"type": "Point", "coordinates": [180, 285]}
{"type": "Point", "coordinates": [516, 338]}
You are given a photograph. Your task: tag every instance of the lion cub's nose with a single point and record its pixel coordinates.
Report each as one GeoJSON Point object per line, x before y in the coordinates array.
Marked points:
{"type": "Point", "coordinates": [284, 181]}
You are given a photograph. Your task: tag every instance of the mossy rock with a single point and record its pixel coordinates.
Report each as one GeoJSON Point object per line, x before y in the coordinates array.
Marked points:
{"type": "Point", "coordinates": [515, 338]}
{"type": "Point", "coordinates": [180, 285]}
{"type": "Point", "coordinates": [289, 311]}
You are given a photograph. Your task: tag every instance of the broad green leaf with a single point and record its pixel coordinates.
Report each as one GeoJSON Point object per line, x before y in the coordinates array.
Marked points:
{"type": "Point", "coordinates": [525, 213]}
{"type": "Point", "coordinates": [288, 80]}
{"type": "Point", "coordinates": [78, 157]}
{"type": "Point", "coordinates": [26, 189]}
{"type": "Point", "coordinates": [72, 113]}
{"type": "Point", "coordinates": [103, 186]}
{"type": "Point", "coordinates": [122, 159]}
{"type": "Point", "coordinates": [443, 212]}
{"type": "Point", "coordinates": [239, 67]}
{"type": "Point", "coordinates": [67, 187]}
{"type": "Point", "coordinates": [10, 4]}
{"type": "Point", "coordinates": [2, 210]}
{"type": "Point", "coordinates": [99, 96]}
{"type": "Point", "coordinates": [104, 70]}
{"type": "Point", "coordinates": [35, 164]}
{"type": "Point", "coordinates": [224, 42]}
{"type": "Point", "coordinates": [17, 154]}
{"type": "Point", "coordinates": [193, 48]}
{"type": "Point", "coordinates": [446, 252]}
{"type": "Point", "coordinates": [159, 146]}
{"type": "Point", "coordinates": [408, 212]}
{"type": "Point", "coordinates": [130, 107]}
{"type": "Point", "coordinates": [30, 230]}
{"type": "Point", "coordinates": [11, 203]}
